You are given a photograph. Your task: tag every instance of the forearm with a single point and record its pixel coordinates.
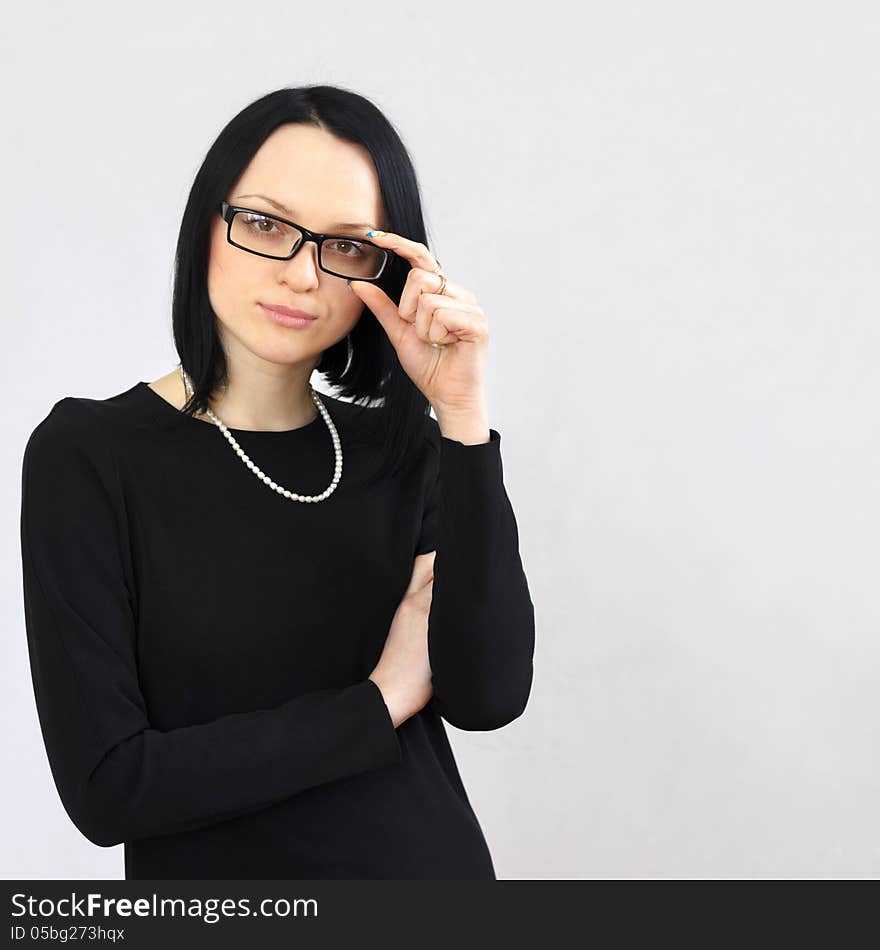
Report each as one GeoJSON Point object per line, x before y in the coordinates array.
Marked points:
{"type": "Point", "coordinates": [481, 629]}
{"type": "Point", "coordinates": [468, 426]}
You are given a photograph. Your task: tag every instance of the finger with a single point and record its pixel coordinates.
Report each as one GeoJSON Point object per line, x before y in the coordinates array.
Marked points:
{"type": "Point", "coordinates": [416, 253]}
{"type": "Point", "coordinates": [420, 281]}
{"type": "Point", "coordinates": [383, 308]}
{"type": "Point", "coordinates": [439, 322]}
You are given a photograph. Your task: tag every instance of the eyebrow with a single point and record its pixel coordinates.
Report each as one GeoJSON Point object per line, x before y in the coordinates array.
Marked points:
{"type": "Point", "coordinates": [337, 224]}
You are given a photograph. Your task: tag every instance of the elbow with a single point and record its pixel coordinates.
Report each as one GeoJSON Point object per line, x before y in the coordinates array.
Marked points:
{"type": "Point", "coordinates": [95, 825]}
{"type": "Point", "coordinates": [487, 686]}
{"type": "Point", "coordinates": [102, 825]}
{"type": "Point", "coordinates": [482, 720]}
{"type": "Point", "coordinates": [102, 836]}
{"type": "Point", "coordinates": [96, 806]}
{"type": "Point", "coordinates": [483, 711]}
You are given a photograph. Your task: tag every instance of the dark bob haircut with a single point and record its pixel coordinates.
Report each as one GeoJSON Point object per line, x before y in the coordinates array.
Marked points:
{"type": "Point", "coordinates": [370, 375]}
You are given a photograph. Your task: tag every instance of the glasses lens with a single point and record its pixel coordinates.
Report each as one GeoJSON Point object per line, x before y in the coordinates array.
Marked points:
{"type": "Point", "coordinates": [256, 232]}
{"type": "Point", "coordinates": [346, 257]}
{"type": "Point", "coordinates": [351, 258]}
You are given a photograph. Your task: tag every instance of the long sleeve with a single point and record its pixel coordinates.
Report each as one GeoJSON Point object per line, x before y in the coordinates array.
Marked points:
{"type": "Point", "coordinates": [119, 779]}
{"type": "Point", "coordinates": [481, 631]}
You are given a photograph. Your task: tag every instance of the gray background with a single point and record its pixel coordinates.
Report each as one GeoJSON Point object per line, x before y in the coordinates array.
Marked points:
{"type": "Point", "coordinates": [669, 214]}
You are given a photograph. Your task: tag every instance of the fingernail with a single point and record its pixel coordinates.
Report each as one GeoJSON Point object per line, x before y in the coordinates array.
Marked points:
{"type": "Point", "coordinates": [375, 233]}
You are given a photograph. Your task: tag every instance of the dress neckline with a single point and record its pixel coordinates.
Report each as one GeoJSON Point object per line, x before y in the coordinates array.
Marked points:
{"type": "Point", "coordinates": [161, 402]}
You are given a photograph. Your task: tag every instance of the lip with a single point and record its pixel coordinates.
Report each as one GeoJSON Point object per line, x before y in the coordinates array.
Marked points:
{"type": "Point", "coordinates": [287, 316]}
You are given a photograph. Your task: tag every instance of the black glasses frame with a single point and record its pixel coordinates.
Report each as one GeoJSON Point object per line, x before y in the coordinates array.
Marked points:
{"type": "Point", "coordinates": [228, 212]}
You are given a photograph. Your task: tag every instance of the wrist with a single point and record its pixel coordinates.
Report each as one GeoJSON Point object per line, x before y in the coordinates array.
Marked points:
{"type": "Point", "coordinates": [391, 701]}
{"type": "Point", "coordinates": [467, 425]}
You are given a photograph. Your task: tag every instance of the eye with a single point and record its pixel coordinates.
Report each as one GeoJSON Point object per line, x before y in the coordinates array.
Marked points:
{"type": "Point", "coordinates": [345, 248]}
{"type": "Point", "coordinates": [256, 221]}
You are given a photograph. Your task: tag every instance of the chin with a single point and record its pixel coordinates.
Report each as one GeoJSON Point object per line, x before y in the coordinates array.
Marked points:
{"type": "Point", "coordinates": [285, 354]}
{"type": "Point", "coordinates": [271, 343]}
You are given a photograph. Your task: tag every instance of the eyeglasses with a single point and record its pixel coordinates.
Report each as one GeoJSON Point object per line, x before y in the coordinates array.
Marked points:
{"type": "Point", "coordinates": [267, 235]}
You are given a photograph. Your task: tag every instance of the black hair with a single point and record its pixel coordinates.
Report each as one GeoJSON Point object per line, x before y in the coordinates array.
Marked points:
{"type": "Point", "coordinates": [371, 373]}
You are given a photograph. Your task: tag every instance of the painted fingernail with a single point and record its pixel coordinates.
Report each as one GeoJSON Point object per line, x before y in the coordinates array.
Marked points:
{"type": "Point", "coordinates": [375, 233]}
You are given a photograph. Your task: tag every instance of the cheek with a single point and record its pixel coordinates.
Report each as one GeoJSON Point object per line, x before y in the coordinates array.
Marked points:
{"type": "Point", "coordinates": [222, 262]}
{"type": "Point", "coordinates": [228, 277]}
{"type": "Point", "coordinates": [346, 306]}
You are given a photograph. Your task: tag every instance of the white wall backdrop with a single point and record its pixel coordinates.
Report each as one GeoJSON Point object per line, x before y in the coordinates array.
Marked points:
{"type": "Point", "coordinates": [669, 213]}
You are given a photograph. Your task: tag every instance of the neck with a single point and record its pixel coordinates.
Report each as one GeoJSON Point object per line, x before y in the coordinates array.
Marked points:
{"type": "Point", "coordinates": [263, 403]}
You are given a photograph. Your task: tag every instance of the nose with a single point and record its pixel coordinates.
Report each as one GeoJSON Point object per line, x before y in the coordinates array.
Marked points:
{"type": "Point", "coordinates": [302, 269]}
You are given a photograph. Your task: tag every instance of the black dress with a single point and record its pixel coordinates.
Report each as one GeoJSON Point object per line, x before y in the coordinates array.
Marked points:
{"type": "Point", "coordinates": [200, 646]}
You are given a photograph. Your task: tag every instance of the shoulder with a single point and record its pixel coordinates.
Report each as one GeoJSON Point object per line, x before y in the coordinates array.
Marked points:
{"type": "Point", "coordinates": [95, 417]}
{"type": "Point", "coordinates": [65, 420]}
{"type": "Point", "coordinates": [76, 429]}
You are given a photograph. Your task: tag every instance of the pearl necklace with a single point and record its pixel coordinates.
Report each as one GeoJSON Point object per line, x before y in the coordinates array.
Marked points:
{"type": "Point", "coordinates": [292, 496]}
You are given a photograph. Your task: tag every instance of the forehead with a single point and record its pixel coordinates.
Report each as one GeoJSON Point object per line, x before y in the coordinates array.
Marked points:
{"type": "Point", "coordinates": [316, 175]}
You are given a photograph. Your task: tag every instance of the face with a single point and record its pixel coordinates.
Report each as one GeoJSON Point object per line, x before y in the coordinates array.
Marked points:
{"type": "Point", "coordinates": [322, 180]}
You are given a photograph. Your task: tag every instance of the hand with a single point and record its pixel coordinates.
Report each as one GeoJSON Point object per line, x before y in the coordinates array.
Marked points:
{"type": "Point", "coordinates": [403, 673]}
{"type": "Point", "coordinates": [452, 379]}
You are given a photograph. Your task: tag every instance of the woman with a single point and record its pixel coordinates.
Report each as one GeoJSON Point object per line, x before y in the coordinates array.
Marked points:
{"type": "Point", "coordinates": [248, 604]}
